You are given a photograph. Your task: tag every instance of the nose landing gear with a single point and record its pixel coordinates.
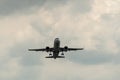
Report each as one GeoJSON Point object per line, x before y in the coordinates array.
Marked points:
{"type": "Point", "coordinates": [62, 53]}
{"type": "Point", "coordinates": [50, 54]}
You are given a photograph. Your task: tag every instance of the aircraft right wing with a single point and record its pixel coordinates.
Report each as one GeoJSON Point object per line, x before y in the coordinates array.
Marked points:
{"type": "Point", "coordinates": [73, 49]}
{"type": "Point", "coordinates": [70, 49]}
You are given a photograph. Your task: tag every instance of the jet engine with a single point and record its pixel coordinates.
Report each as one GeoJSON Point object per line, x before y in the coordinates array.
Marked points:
{"type": "Point", "coordinates": [66, 48]}
{"type": "Point", "coordinates": [47, 49]}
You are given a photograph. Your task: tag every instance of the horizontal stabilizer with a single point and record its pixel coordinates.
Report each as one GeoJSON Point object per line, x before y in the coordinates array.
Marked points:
{"type": "Point", "coordinates": [61, 57]}
{"type": "Point", "coordinates": [54, 57]}
{"type": "Point", "coordinates": [49, 57]}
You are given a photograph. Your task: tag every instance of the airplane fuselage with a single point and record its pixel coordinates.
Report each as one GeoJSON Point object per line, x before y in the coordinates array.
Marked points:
{"type": "Point", "coordinates": [56, 47]}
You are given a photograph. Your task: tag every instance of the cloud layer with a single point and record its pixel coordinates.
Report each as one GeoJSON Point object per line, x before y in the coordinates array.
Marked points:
{"type": "Point", "coordinates": [93, 25]}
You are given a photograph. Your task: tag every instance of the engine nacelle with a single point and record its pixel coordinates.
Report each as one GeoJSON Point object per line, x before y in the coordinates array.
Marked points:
{"type": "Point", "coordinates": [66, 48]}
{"type": "Point", "coordinates": [47, 49]}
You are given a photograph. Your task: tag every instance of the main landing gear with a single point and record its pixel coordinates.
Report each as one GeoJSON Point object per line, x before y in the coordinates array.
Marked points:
{"type": "Point", "coordinates": [50, 54]}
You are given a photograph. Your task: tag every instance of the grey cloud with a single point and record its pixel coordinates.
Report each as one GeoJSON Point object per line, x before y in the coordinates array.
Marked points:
{"type": "Point", "coordinates": [112, 19]}
{"type": "Point", "coordinates": [24, 6]}
{"type": "Point", "coordinates": [81, 6]}
{"type": "Point", "coordinates": [43, 29]}
{"type": "Point", "coordinates": [116, 59]}
{"type": "Point", "coordinates": [55, 3]}
{"type": "Point", "coordinates": [90, 57]}
{"type": "Point", "coordinates": [28, 58]}
{"type": "Point", "coordinates": [11, 6]}
{"type": "Point", "coordinates": [29, 73]}
{"type": "Point", "coordinates": [7, 7]}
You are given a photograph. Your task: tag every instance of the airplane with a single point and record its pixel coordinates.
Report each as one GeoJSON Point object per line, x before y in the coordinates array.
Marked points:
{"type": "Point", "coordinates": [56, 50]}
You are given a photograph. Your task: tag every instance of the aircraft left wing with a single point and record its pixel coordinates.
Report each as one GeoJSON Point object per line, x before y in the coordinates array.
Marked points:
{"type": "Point", "coordinates": [37, 49]}
{"type": "Point", "coordinates": [44, 49]}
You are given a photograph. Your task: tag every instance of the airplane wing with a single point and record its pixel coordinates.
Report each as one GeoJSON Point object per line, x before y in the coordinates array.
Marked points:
{"type": "Point", "coordinates": [37, 49]}
{"type": "Point", "coordinates": [73, 49]}
{"type": "Point", "coordinates": [70, 49]}
{"type": "Point", "coordinates": [44, 49]}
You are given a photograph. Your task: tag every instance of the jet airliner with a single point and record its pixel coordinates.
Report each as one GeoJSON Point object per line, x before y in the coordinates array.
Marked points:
{"type": "Point", "coordinates": [56, 49]}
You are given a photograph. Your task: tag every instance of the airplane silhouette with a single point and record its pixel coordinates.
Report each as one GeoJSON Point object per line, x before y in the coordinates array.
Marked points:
{"type": "Point", "coordinates": [56, 50]}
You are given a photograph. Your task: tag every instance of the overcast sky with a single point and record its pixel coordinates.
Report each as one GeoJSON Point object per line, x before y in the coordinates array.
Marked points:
{"type": "Point", "coordinates": [92, 24]}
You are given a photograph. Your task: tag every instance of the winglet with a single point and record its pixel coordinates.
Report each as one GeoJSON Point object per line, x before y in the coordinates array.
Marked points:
{"type": "Point", "coordinates": [30, 50]}
{"type": "Point", "coordinates": [81, 48]}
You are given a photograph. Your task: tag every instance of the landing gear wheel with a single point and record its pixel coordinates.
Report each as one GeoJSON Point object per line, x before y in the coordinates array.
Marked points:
{"type": "Point", "coordinates": [50, 54]}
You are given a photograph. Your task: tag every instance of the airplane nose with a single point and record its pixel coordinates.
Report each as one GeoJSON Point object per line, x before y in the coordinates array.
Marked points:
{"type": "Point", "coordinates": [57, 38]}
